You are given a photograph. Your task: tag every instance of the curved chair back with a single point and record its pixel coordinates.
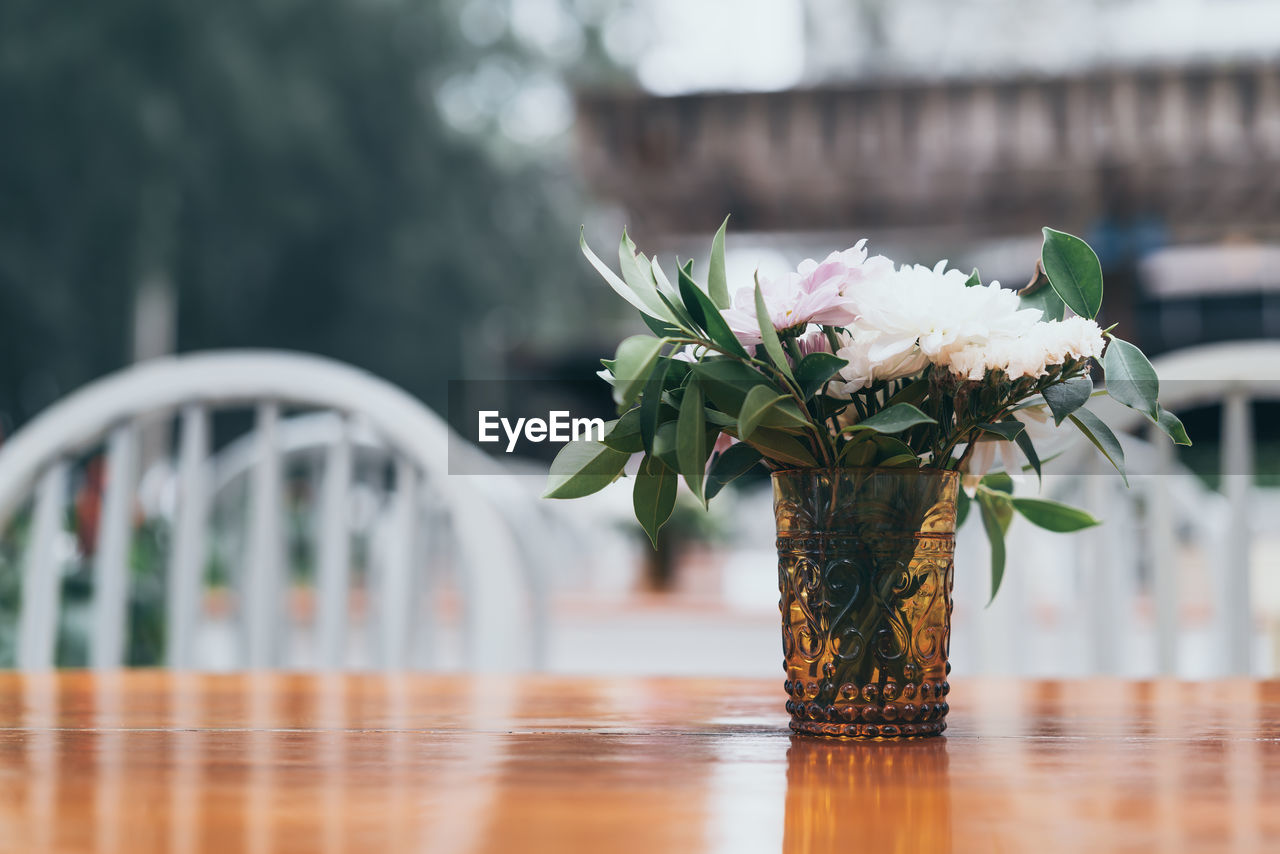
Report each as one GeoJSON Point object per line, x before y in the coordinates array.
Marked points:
{"type": "Point", "coordinates": [1232, 376]}
{"type": "Point", "coordinates": [1150, 529]}
{"type": "Point", "coordinates": [502, 626]}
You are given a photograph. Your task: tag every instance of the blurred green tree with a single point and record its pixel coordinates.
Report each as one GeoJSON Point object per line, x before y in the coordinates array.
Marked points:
{"type": "Point", "coordinates": [281, 165]}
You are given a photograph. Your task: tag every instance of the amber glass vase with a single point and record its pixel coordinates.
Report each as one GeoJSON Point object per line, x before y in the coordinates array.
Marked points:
{"type": "Point", "coordinates": [865, 572]}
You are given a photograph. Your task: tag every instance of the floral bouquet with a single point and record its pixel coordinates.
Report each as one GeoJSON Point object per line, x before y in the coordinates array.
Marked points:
{"type": "Point", "coordinates": [855, 362]}
{"type": "Point", "coordinates": [869, 389]}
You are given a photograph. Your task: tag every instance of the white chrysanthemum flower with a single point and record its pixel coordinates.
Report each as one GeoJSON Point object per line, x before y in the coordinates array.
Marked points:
{"type": "Point", "coordinates": [921, 315]}
{"type": "Point", "coordinates": [1016, 356]}
{"type": "Point", "coordinates": [862, 370]}
{"type": "Point", "coordinates": [1079, 338]}
{"type": "Point", "coordinates": [1030, 353]}
{"type": "Point", "coordinates": [933, 310]}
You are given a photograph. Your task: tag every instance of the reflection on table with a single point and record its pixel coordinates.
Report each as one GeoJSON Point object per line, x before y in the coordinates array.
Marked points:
{"type": "Point", "coordinates": [150, 761]}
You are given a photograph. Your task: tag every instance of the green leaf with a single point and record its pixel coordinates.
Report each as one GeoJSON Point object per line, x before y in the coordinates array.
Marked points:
{"type": "Point", "coordinates": [894, 419]}
{"type": "Point", "coordinates": [677, 371]}
{"type": "Point", "coordinates": [888, 447]}
{"type": "Point", "coordinates": [757, 404]}
{"type": "Point", "coordinates": [726, 382]}
{"type": "Point", "coordinates": [618, 285]}
{"type": "Point", "coordinates": [632, 366]}
{"type": "Point", "coordinates": [636, 271]}
{"type": "Point", "coordinates": [669, 300]}
{"type": "Point", "coordinates": [1130, 378]}
{"type": "Point", "coordinates": [769, 335]}
{"type": "Point", "coordinates": [716, 418]}
{"type": "Point", "coordinates": [1029, 451]}
{"type": "Point", "coordinates": [661, 328]}
{"type": "Point", "coordinates": [815, 371]}
{"type": "Point", "coordinates": [1066, 397]}
{"type": "Point", "coordinates": [691, 438]}
{"type": "Point", "coordinates": [859, 451]}
{"type": "Point", "coordinates": [717, 279]}
{"type": "Point", "coordinates": [963, 504]}
{"type": "Point", "coordinates": [676, 309]}
{"type": "Point", "coordinates": [727, 398]}
{"type": "Point", "coordinates": [1053, 516]}
{"type": "Point", "coordinates": [1040, 294]}
{"type": "Point", "coordinates": [665, 288]}
{"type": "Point", "coordinates": [780, 446]}
{"type": "Point", "coordinates": [624, 434]}
{"type": "Point", "coordinates": [707, 315]}
{"type": "Point", "coordinates": [974, 280]}
{"type": "Point", "coordinates": [999, 481]}
{"type": "Point", "coordinates": [1172, 425]}
{"type": "Point", "coordinates": [1047, 300]}
{"type": "Point", "coordinates": [1007, 430]}
{"type": "Point", "coordinates": [664, 445]}
{"type": "Point", "coordinates": [1102, 438]}
{"type": "Point", "coordinates": [651, 403]}
{"type": "Point", "coordinates": [900, 461]}
{"type": "Point", "coordinates": [786, 416]}
{"type": "Point", "coordinates": [996, 513]}
{"type": "Point", "coordinates": [913, 392]}
{"type": "Point", "coordinates": [1074, 272]}
{"type": "Point", "coordinates": [868, 449]}
{"type": "Point", "coordinates": [653, 496]}
{"type": "Point", "coordinates": [688, 292]}
{"type": "Point", "coordinates": [729, 465]}
{"type": "Point", "coordinates": [582, 468]}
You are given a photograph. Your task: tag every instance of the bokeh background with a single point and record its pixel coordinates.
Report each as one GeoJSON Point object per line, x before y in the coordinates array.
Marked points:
{"type": "Point", "coordinates": [399, 185]}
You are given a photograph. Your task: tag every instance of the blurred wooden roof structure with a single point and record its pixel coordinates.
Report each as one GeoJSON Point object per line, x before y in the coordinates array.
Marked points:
{"type": "Point", "coordinates": [1196, 146]}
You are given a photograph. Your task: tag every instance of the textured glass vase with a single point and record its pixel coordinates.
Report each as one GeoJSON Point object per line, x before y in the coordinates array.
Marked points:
{"type": "Point", "coordinates": [865, 572]}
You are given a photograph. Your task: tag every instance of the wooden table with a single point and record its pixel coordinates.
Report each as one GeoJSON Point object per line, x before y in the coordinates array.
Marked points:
{"type": "Point", "coordinates": [148, 761]}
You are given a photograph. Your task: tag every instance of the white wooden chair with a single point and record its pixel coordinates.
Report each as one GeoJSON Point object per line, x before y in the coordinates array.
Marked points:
{"type": "Point", "coordinates": [1232, 376]}
{"type": "Point", "coordinates": [1165, 515]}
{"type": "Point", "coordinates": [305, 441]}
{"type": "Point", "coordinates": [503, 623]}
{"type": "Point", "coordinates": [1076, 602]}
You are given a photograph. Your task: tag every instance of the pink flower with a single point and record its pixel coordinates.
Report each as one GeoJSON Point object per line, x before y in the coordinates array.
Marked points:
{"type": "Point", "coordinates": [814, 293]}
{"type": "Point", "coordinates": [723, 443]}
{"type": "Point", "coordinates": [814, 341]}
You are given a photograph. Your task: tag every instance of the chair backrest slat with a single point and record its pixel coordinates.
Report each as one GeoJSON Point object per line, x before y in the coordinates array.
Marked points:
{"type": "Point", "coordinates": [186, 559]}
{"type": "Point", "coordinates": [1101, 573]}
{"type": "Point", "coordinates": [396, 581]}
{"type": "Point", "coordinates": [42, 576]}
{"type": "Point", "coordinates": [1235, 614]}
{"type": "Point", "coordinates": [263, 608]}
{"type": "Point", "coordinates": [1160, 547]}
{"type": "Point", "coordinates": [111, 555]}
{"type": "Point", "coordinates": [333, 577]}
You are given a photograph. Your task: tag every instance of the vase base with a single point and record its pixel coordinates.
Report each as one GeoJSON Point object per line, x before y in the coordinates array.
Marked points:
{"type": "Point", "coordinates": [863, 730]}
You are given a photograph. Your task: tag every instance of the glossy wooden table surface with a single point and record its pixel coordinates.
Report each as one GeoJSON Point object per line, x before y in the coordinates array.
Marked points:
{"type": "Point", "coordinates": [149, 761]}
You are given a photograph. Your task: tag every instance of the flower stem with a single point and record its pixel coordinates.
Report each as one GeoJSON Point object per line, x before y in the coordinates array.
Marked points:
{"type": "Point", "coordinates": [832, 340]}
